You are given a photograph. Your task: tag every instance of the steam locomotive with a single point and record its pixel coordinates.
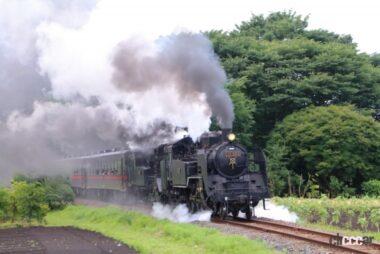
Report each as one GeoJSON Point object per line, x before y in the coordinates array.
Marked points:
{"type": "Point", "coordinates": [215, 172]}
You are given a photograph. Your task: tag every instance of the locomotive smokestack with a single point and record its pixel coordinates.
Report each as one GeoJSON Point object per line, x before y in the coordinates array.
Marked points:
{"type": "Point", "coordinates": [225, 133]}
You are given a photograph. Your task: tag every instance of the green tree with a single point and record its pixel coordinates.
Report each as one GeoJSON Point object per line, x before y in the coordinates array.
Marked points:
{"type": "Point", "coordinates": [372, 188]}
{"type": "Point", "coordinates": [283, 68]}
{"type": "Point", "coordinates": [30, 200]}
{"type": "Point", "coordinates": [285, 25]}
{"type": "Point", "coordinates": [4, 204]}
{"type": "Point", "coordinates": [277, 26]}
{"type": "Point", "coordinates": [375, 59]}
{"type": "Point", "coordinates": [243, 110]}
{"type": "Point", "coordinates": [335, 145]}
{"type": "Point", "coordinates": [58, 192]}
{"type": "Point", "coordinates": [57, 189]}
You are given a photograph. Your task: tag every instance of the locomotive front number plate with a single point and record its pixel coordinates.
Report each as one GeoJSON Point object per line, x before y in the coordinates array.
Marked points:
{"type": "Point", "coordinates": [232, 155]}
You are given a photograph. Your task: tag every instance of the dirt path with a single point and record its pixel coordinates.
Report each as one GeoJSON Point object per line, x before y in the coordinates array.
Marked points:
{"type": "Point", "coordinates": [57, 240]}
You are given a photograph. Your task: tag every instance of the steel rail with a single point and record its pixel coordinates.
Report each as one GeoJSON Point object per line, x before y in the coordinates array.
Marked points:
{"type": "Point", "coordinates": [300, 233]}
{"type": "Point", "coordinates": [302, 229]}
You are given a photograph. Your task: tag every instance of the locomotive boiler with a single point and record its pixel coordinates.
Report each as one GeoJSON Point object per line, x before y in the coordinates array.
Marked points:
{"type": "Point", "coordinates": [215, 172]}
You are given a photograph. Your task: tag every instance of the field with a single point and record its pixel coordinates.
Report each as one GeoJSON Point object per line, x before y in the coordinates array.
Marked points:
{"type": "Point", "coordinates": [149, 235]}
{"type": "Point", "coordinates": [354, 216]}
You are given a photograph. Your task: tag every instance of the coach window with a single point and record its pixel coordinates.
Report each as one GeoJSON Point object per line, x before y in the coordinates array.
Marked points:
{"type": "Point", "coordinates": [114, 168]}
{"type": "Point", "coordinates": [109, 168]}
{"type": "Point", "coordinates": [122, 170]}
{"type": "Point", "coordinates": [96, 168]}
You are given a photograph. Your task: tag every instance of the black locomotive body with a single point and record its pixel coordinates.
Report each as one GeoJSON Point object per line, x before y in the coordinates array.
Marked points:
{"type": "Point", "coordinates": [215, 172]}
{"type": "Point", "coordinates": [234, 179]}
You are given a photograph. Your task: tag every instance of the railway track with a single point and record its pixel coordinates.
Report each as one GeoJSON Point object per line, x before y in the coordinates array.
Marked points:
{"type": "Point", "coordinates": [305, 234]}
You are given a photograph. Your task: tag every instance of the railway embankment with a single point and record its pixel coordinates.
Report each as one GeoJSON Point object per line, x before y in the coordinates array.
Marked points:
{"type": "Point", "coordinates": [287, 243]}
{"type": "Point", "coordinates": [149, 235]}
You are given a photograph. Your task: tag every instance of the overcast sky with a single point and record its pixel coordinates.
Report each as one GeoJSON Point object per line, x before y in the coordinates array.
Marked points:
{"type": "Point", "coordinates": [361, 18]}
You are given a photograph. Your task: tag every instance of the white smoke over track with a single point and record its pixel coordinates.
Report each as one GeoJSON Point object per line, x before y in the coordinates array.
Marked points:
{"type": "Point", "coordinates": [180, 213]}
{"type": "Point", "coordinates": [82, 76]}
{"type": "Point", "coordinates": [274, 212]}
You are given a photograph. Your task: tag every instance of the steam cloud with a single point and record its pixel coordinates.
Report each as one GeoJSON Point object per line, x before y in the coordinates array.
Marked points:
{"type": "Point", "coordinates": [180, 213]}
{"type": "Point", "coordinates": [191, 71]}
{"type": "Point", "coordinates": [275, 212]}
{"type": "Point", "coordinates": [76, 79]}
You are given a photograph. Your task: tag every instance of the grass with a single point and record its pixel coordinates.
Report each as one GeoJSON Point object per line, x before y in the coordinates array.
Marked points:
{"type": "Point", "coordinates": [18, 224]}
{"type": "Point", "coordinates": [149, 235]}
{"type": "Point", "coordinates": [348, 216]}
{"type": "Point", "coordinates": [350, 213]}
{"type": "Point", "coordinates": [341, 231]}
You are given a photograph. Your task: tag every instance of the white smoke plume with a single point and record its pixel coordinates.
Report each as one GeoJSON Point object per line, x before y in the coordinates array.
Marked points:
{"type": "Point", "coordinates": [274, 212]}
{"type": "Point", "coordinates": [183, 61]}
{"type": "Point", "coordinates": [180, 213]}
{"type": "Point", "coordinates": [82, 76]}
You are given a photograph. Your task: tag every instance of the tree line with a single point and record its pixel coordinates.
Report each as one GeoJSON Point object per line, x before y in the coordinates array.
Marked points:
{"type": "Point", "coordinates": [306, 96]}
{"type": "Point", "coordinates": [30, 198]}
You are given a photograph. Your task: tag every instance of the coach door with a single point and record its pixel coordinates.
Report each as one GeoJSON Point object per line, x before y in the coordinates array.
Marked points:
{"type": "Point", "coordinates": [130, 168]}
{"type": "Point", "coordinates": [83, 173]}
{"type": "Point", "coordinates": [164, 175]}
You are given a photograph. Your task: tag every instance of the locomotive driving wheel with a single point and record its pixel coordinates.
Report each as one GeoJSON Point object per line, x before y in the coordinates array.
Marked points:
{"type": "Point", "coordinates": [193, 207]}
{"type": "Point", "coordinates": [235, 213]}
{"type": "Point", "coordinates": [223, 211]}
{"type": "Point", "coordinates": [249, 212]}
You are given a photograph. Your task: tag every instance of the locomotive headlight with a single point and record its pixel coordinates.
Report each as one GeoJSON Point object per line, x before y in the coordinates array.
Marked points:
{"type": "Point", "coordinates": [231, 137]}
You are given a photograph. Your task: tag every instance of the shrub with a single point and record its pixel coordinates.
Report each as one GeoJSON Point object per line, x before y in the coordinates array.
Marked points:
{"type": "Point", "coordinates": [372, 188]}
{"type": "Point", "coordinates": [4, 204]}
{"type": "Point", "coordinates": [375, 218]}
{"type": "Point", "coordinates": [57, 188]}
{"type": "Point", "coordinates": [352, 213]}
{"type": "Point", "coordinates": [24, 178]}
{"type": "Point", "coordinates": [58, 193]}
{"type": "Point", "coordinates": [29, 201]}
